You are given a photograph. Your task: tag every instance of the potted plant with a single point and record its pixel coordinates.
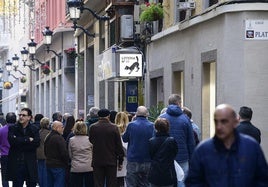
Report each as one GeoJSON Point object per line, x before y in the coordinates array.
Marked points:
{"type": "Point", "coordinates": [151, 12]}
{"type": "Point", "coordinates": [7, 85]}
{"type": "Point", "coordinates": [45, 69]}
{"type": "Point", "coordinates": [23, 79]}
{"type": "Point", "coordinates": [71, 52]}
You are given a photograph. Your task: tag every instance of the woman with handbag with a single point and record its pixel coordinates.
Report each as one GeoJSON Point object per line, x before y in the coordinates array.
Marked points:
{"type": "Point", "coordinates": [163, 150]}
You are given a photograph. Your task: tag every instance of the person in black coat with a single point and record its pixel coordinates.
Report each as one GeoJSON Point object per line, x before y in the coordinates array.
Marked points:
{"type": "Point", "coordinates": [24, 139]}
{"type": "Point", "coordinates": [163, 150]}
{"type": "Point", "coordinates": [37, 119]}
{"type": "Point", "coordinates": [245, 126]}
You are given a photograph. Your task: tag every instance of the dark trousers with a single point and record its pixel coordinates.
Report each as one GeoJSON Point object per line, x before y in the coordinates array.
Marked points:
{"type": "Point", "coordinates": [105, 174]}
{"type": "Point", "coordinates": [23, 175]}
{"type": "Point", "coordinates": [4, 159]}
{"type": "Point", "coordinates": [81, 179]}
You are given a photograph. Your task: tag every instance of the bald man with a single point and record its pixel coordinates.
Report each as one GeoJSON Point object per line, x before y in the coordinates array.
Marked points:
{"type": "Point", "coordinates": [137, 136]}
{"type": "Point", "coordinates": [57, 157]}
{"type": "Point", "coordinates": [229, 158]}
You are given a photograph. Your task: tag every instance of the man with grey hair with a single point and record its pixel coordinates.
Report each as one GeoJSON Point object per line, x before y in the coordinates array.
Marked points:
{"type": "Point", "coordinates": [137, 136]}
{"type": "Point", "coordinates": [92, 117]}
{"type": "Point", "coordinates": [181, 129]}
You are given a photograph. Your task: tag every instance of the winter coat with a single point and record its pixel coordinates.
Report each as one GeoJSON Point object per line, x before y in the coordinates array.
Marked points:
{"type": "Point", "coordinates": [80, 152]}
{"type": "Point", "coordinates": [182, 131]}
{"type": "Point", "coordinates": [22, 150]}
{"type": "Point", "coordinates": [137, 135]}
{"type": "Point", "coordinates": [56, 151]}
{"type": "Point", "coordinates": [107, 145]}
{"type": "Point", "coordinates": [243, 164]}
{"type": "Point", "coordinates": [40, 150]}
{"type": "Point", "coordinates": [247, 128]}
{"type": "Point", "coordinates": [163, 150]}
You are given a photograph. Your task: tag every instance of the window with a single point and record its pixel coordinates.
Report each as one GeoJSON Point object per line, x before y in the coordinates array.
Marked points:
{"type": "Point", "coordinates": [212, 2]}
{"type": "Point", "coordinates": [179, 14]}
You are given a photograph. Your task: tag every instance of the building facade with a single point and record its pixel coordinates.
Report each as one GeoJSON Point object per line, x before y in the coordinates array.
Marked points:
{"type": "Point", "coordinates": [210, 52]}
{"type": "Point", "coordinates": [14, 31]}
{"type": "Point", "coordinates": [216, 55]}
{"type": "Point", "coordinates": [53, 91]}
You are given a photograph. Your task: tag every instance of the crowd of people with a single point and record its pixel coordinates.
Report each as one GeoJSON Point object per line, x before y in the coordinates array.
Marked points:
{"type": "Point", "coordinates": [121, 149]}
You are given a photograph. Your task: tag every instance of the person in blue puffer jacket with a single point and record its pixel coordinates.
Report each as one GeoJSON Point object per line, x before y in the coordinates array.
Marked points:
{"type": "Point", "coordinates": [182, 131]}
{"type": "Point", "coordinates": [229, 159]}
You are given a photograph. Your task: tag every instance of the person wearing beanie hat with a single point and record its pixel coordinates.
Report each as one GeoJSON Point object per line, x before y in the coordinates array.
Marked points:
{"type": "Point", "coordinates": [108, 152]}
{"type": "Point", "coordinates": [104, 112]}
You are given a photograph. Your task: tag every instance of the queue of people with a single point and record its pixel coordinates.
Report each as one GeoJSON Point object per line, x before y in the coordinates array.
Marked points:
{"type": "Point", "coordinates": [130, 150]}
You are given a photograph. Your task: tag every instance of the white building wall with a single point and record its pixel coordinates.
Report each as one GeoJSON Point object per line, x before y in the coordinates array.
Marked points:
{"type": "Point", "coordinates": [241, 65]}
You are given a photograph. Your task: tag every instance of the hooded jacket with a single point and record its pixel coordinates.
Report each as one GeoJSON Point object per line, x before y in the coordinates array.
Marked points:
{"type": "Point", "coordinates": [182, 131]}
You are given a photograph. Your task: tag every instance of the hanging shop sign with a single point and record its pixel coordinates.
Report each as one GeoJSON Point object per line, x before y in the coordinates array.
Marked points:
{"type": "Point", "coordinates": [106, 65]}
{"type": "Point", "coordinates": [130, 65]}
{"type": "Point", "coordinates": [120, 64]}
{"type": "Point", "coordinates": [256, 29]}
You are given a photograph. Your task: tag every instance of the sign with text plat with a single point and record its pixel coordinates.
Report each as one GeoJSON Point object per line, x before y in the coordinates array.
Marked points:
{"type": "Point", "coordinates": [256, 29]}
{"type": "Point", "coordinates": [130, 65]}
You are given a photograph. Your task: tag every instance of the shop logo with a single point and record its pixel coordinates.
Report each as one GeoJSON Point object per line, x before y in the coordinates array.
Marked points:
{"type": "Point", "coordinates": [133, 66]}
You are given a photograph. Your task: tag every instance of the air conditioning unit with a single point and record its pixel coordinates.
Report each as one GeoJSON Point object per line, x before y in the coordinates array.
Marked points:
{"type": "Point", "coordinates": [186, 5]}
{"type": "Point", "coordinates": [127, 30]}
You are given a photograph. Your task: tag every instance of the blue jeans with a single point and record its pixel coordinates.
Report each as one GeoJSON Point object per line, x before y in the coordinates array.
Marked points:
{"type": "Point", "coordinates": [4, 159]}
{"type": "Point", "coordinates": [137, 174]}
{"type": "Point", "coordinates": [42, 173]}
{"type": "Point", "coordinates": [185, 168]}
{"type": "Point", "coordinates": [55, 177]}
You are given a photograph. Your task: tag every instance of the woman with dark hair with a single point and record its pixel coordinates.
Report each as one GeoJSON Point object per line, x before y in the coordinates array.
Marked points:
{"type": "Point", "coordinates": [163, 150]}
{"type": "Point", "coordinates": [70, 121]}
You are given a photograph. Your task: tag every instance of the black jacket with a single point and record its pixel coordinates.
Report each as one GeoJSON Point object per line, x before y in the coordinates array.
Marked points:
{"type": "Point", "coordinates": [23, 150]}
{"type": "Point", "coordinates": [163, 150]}
{"type": "Point", "coordinates": [247, 128]}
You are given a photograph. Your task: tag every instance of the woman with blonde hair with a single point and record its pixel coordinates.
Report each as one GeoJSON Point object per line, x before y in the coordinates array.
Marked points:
{"type": "Point", "coordinates": [40, 154]}
{"type": "Point", "coordinates": [121, 120]}
{"type": "Point", "coordinates": [80, 152]}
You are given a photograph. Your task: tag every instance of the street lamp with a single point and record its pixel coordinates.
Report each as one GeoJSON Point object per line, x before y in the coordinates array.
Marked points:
{"type": "Point", "coordinates": [32, 47]}
{"type": "Point", "coordinates": [76, 7]}
{"type": "Point", "coordinates": [24, 54]}
{"type": "Point", "coordinates": [15, 62]}
{"type": "Point", "coordinates": [9, 69]}
{"type": "Point", "coordinates": [48, 40]}
{"type": "Point", "coordinates": [32, 50]}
